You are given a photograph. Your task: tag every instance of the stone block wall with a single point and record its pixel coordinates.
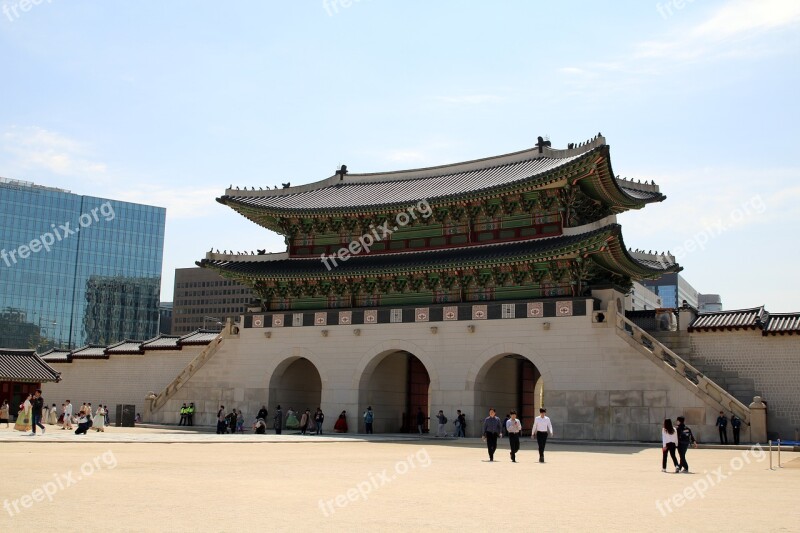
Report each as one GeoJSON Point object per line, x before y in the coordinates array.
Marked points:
{"type": "Point", "coordinates": [772, 362]}
{"type": "Point", "coordinates": [120, 379]}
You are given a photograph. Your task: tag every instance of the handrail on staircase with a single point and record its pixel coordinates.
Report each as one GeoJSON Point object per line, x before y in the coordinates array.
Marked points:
{"type": "Point", "coordinates": [682, 367]}
{"type": "Point", "coordinates": [185, 374]}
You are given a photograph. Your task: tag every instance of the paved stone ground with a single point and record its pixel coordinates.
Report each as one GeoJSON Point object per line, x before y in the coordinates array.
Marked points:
{"type": "Point", "coordinates": [170, 479]}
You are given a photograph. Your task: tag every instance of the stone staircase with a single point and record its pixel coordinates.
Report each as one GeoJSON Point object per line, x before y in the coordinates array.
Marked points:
{"type": "Point", "coordinates": [742, 388]}
{"type": "Point", "coordinates": [680, 369]}
{"type": "Point", "coordinates": [157, 401]}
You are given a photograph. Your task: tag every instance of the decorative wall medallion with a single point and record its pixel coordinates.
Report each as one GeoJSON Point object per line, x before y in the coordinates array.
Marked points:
{"type": "Point", "coordinates": [564, 308]}
{"type": "Point", "coordinates": [536, 309]}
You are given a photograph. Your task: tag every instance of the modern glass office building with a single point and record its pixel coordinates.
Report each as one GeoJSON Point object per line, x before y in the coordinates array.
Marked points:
{"type": "Point", "coordinates": [76, 270]}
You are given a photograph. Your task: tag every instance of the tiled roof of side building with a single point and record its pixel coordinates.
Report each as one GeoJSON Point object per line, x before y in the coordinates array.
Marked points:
{"type": "Point", "coordinates": [736, 319]}
{"type": "Point", "coordinates": [25, 366]}
{"type": "Point", "coordinates": [54, 355]}
{"type": "Point", "coordinates": [91, 351]}
{"type": "Point", "coordinates": [162, 342]}
{"type": "Point", "coordinates": [198, 337]}
{"type": "Point", "coordinates": [354, 192]}
{"type": "Point", "coordinates": [125, 347]}
{"type": "Point", "coordinates": [783, 323]}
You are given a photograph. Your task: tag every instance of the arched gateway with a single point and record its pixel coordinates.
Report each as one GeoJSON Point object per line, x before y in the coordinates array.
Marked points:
{"type": "Point", "coordinates": [295, 383]}
{"type": "Point", "coordinates": [396, 384]}
{"type": "Point", "coordinates": [447, 259]}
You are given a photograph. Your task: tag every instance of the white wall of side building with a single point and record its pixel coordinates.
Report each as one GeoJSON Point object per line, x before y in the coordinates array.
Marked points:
{"type": "Point", "coordinates": [596, 386]}
{"type": "Point", "coordinates": [120, 379]}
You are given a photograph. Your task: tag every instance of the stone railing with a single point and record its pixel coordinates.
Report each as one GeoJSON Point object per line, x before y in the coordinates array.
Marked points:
{"type": "Point", "coordinates": [157, 401]}
{"type": "Point", "coordinates": [685, 372]}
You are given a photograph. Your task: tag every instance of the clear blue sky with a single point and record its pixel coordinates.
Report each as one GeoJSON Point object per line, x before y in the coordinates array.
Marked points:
{"type": "Point", "coordinates": [168, 103]}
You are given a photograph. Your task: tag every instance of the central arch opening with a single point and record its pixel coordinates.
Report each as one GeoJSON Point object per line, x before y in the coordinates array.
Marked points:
{"type": "Point", "coordinates": [295, 384]}
{"type": "Point", "coordinates": [506, 382]}
{"type": "Point", "coordinates": [396, 385]}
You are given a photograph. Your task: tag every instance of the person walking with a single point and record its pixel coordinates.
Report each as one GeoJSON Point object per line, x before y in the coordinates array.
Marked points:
{"type": "Point", "coordinates": [23, 422]}
{"type": "Point", "coordinates": [319, 418]}
{"type": "Point", "coordinates": [492, 429]}
{"type": "Point", "coordinates": [736, 425]}
{"type": "Point", "coordinates": [542, 427]}
{"type": "Point", "coordinates": [669, 443]}
{"type": "Point", "coordinates": [685, 438]}
{"type": "Point", "coordinates": [722, 424]}
{"type": "Point", "coordinates": [67, 416]}
{"type": "Point", "coordinates": [4, 413]}
{"type": "Point", "coordinates": [513, 428]}
{"type": "Point", "coordinates": [303, 422]}
{"type": "Point", "coordinates": [221, 420]}
{"type": "Point", "coordinates": [420, 420]}
{"type": "Point", "coordinates": [99, 420]}
{"type": "Point", "coordinates": [442, 420]}
{"type": "Point", "coordinates": [36, 412]}
{"type": "Point", "coordinates": [369, 416]}
{"type": "Point", "coordinates": [278, 420]}
{"type": "Point", "coordinates": [462, 424]}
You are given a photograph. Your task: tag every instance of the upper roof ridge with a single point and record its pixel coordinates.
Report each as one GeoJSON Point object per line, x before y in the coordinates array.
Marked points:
{"type": "Point", "coordinates": [541, 151]}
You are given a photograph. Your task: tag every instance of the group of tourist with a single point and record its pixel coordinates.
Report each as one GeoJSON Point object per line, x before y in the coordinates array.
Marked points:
{"type": "Point", "coordinates": [672, 438]}
{"type": "Point", "coordinates": [493, 429]}
{"type": "Point", "coordinates": [229, 422]}
{"type": "Point", "coordinates": [305, 422]}
{"type": "Point", "coordinates": [459, 423]}
{"type": "Point", "coordinates": [34, 413]}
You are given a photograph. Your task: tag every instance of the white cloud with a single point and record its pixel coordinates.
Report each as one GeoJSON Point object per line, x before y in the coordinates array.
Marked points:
{"type": "Point", "coordinates": [35, 149]}
{"type": "Point", "coordinates": [733, 31]}
{"type": "Point", "coordinates": [181, 203]}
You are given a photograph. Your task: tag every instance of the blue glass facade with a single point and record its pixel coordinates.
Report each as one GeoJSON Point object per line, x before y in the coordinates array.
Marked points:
{"type": "Point", "coordinates": [76, 270]}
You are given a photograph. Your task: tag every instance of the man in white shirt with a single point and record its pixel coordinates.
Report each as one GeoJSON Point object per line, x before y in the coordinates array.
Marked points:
{"type": "Point", "coordinates": [67, 416]}
{"type": "Point", "coordinates": [541, 428]}
{"type": "Point", "coordinates": [513, 428]}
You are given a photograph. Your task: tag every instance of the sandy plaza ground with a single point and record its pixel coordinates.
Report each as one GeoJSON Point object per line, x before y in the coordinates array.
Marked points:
{"type": "Point", "coordinates": [168, 479]}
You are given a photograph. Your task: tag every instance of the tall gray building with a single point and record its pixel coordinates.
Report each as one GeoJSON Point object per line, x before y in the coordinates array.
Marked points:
{"type": "Point", "coordinates": [204, 300]}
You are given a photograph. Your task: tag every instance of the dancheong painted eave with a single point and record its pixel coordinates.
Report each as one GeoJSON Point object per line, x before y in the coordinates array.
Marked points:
{"type": "Point", "coordinates": [586, 166]}
{"type": "Point", "coordinates": [603, 245]}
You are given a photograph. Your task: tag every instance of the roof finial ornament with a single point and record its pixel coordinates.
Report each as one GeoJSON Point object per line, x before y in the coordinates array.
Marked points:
{"type": "Point", "coordinates": [287, 184]}
{"type": "Point", "coordinates": [570, 146]}
{"type": "Point", "coordinates": [542, 143]}
{"type": "Point", "coordinates": [342, 172]}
